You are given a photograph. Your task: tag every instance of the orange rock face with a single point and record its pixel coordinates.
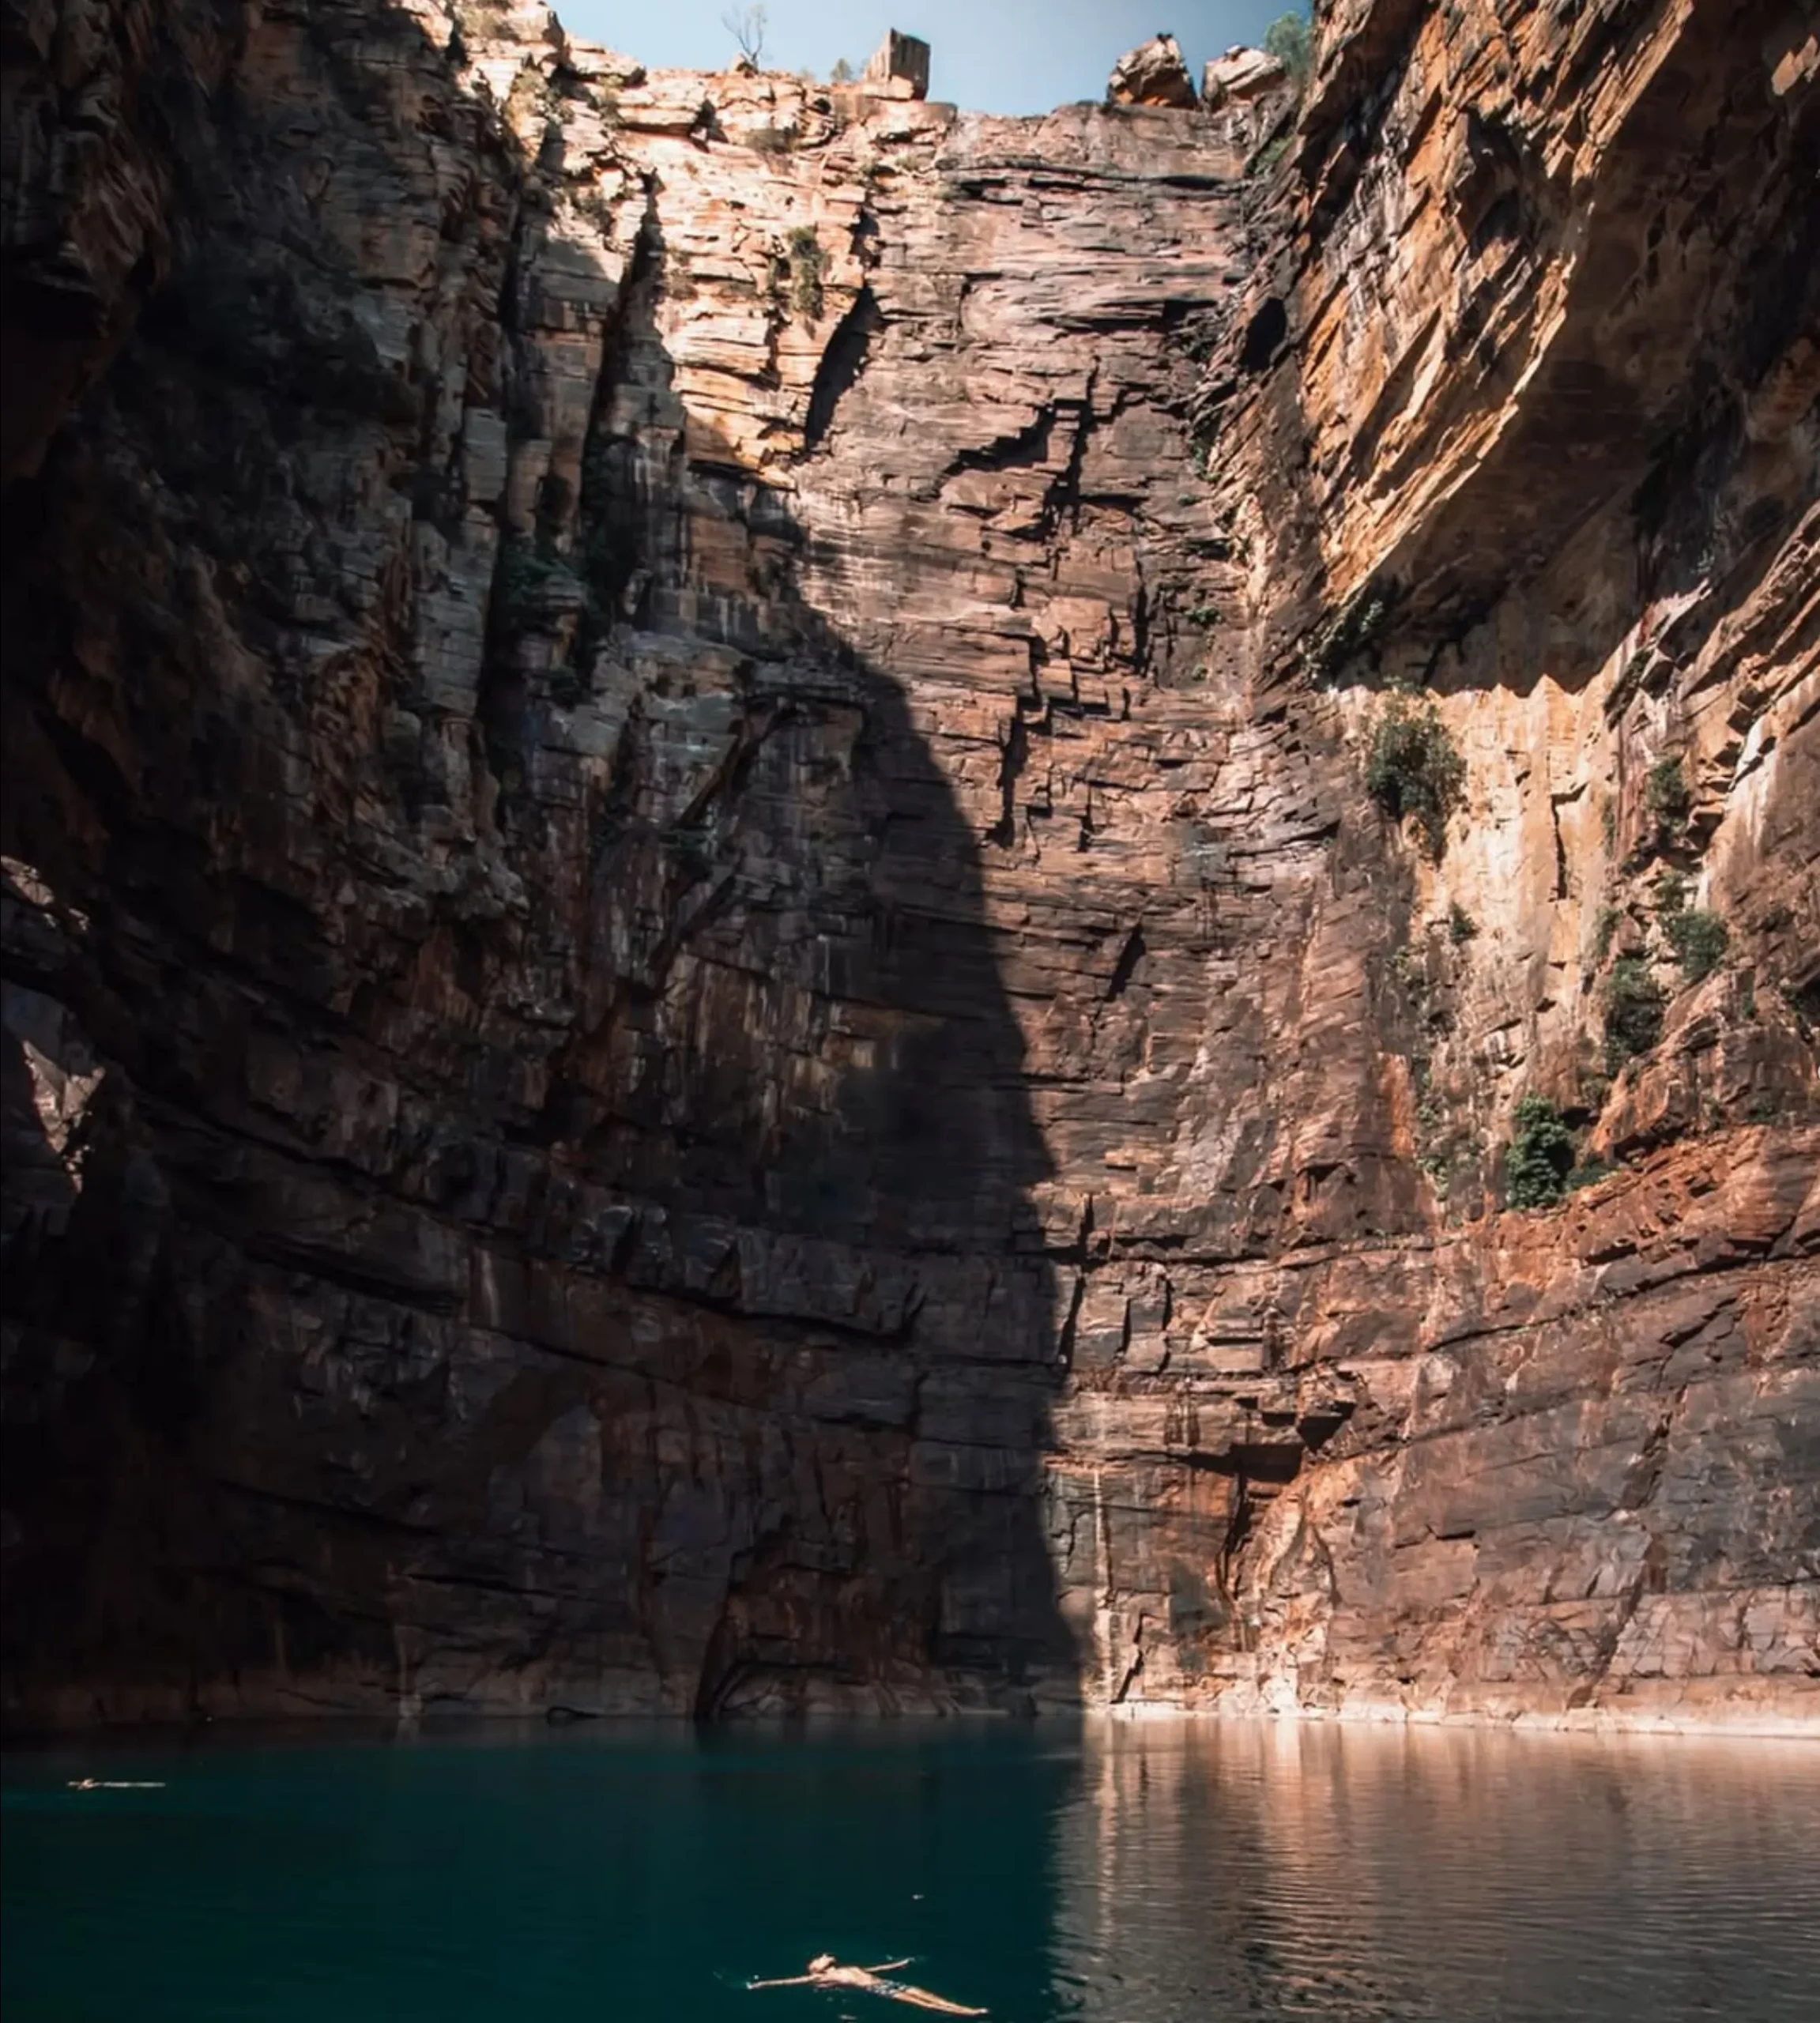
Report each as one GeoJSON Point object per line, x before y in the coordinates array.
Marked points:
{"type": "Point", "coordinates": [706, 1010]}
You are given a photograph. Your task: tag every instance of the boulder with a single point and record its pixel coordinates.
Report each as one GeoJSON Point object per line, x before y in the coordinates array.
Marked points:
{"type": "Point", "coordinates": [1240, 74]}
{"type": "Point", "coordinates": [899, 68]}
{"type": "Point", "coordinates": [1151, 74]}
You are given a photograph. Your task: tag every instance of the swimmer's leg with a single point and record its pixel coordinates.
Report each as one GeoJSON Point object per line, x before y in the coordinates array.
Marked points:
{"type": "Point", "coordinates": [921, 1998]}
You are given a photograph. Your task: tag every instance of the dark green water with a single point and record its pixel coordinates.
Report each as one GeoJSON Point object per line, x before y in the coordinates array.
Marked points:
{"type": "Point", "coordinates": [1129, 1874]}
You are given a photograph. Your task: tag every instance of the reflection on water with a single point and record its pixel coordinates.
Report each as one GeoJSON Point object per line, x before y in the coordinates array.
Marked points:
{"type": "Point", "coordinates": [1241, 1871]}
{"type": "Point", "coordinates": [1132, 1874]}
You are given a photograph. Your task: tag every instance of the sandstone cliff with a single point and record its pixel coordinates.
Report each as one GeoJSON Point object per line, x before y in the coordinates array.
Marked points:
{"type": "Point", "coordinates": [704, 1008]}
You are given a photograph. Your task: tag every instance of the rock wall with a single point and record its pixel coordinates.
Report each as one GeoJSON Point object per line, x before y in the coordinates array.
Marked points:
{"type": "Point", "coordinates": [704, 1008]}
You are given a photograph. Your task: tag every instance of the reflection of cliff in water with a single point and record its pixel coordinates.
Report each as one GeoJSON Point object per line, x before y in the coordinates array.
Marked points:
{"type": "Point", "coordinates": [1266, 1870]}
{"type": "Point", "coordinates": [564, 1121]}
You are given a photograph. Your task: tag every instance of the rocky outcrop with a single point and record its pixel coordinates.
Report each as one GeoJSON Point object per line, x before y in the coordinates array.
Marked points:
{"type": "Point", "coordinates": [1153, 74]}
{"type": "Point", "coordinates": [899, 68]}
{"type": "Point", "coordinates": [705, 1010]}
{"type": "Point", "coordinates": [1240, 74]}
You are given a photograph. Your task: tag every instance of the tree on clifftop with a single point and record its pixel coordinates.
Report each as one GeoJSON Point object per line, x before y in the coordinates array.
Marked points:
{"type": "Point", "coordinates": [1290, 40]}
{"type": "Point", "coordinates": [747, 27]}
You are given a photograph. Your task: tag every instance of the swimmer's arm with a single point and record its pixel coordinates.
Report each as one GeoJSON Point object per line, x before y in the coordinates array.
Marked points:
{"type": "Point", "coordinates": [795, 1981]}
{"type": "Point", "coordinates": [887, 1966]}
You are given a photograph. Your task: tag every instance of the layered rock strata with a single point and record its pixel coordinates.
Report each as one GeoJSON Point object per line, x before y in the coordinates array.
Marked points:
{"type": "Point", "coordinates": [704, 1009]}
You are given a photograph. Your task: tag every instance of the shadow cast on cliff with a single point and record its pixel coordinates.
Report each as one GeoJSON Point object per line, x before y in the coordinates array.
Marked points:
{"type": "Point", "coordinates": [701, 1358]}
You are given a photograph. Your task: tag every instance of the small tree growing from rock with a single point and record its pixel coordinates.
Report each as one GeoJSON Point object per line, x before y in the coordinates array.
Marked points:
{"type": "Point", "coordinates": [1414, 769]}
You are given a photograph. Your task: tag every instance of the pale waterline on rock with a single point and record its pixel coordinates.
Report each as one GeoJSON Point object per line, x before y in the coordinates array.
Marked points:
{"type": "Point", "coordinates": [1745, 1725]}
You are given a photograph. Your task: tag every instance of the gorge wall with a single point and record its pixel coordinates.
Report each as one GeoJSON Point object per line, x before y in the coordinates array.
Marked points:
{"type": "Point", "coordinates": [704, 1009]}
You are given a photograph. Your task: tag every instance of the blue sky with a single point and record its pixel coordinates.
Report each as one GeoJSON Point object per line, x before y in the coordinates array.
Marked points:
{"type": "Point", "coordinates": [987, 55]}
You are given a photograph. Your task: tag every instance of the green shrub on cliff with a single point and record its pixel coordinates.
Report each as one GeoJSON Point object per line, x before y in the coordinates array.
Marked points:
{"type": "Point", "coordinates": [1263, 162]}
{"type": "Point", "coordinates": [1697, 937]}
{"type": "Point", "coordinates": [1671, 893]}
{"type": "Point", "coordinates": [1540, 1157]}
{"type": "Point", "coordinates": [1414, 769]}
{"type": "Point", "coordinates": [1633, 1006]}
{"type": "Point", "coordinates": [1353, 630]}
{"type": "Point", "coordinates": [1291, 39]}
{"type": "Point", "coordinates": [1667, 797]}
{"type": "Point", "coordinates": [1699, 940]}
{"type": "Point", "coordinates": [524, 568]}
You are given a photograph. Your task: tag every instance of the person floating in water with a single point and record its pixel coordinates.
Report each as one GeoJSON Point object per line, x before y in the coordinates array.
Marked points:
{"type": "Point", "coordinates": [825, 1972]}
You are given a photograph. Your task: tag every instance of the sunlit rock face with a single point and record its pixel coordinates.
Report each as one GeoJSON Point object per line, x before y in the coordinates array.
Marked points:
{"type": "Point", "coordinates": [705, 1011]}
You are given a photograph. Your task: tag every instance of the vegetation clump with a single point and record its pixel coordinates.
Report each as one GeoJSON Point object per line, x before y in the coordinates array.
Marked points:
{"type": "Point", "coordinates": [1265, 161]}
{"type": "Point", "coordinates": [1290, 40]}
{"type": "Point", "coordinates": [1353, 630]}
{"type": "Point", "coordinates": [1540, 1168]}
{"type": "Point", "coordinates": [1461, 927]}
{"type": "Point", "coordinates": [1671, 893]}
{"type": "Point", "coordinates": [690, 845]}
{"type": "Point", "coordinates": [1414, 770]}
{"type": "Point", "coordinates": [1667, 797]}
{"type": "Point", "coordinates": [1541, 1155]}
{"type": "Point", "coordinates": [1633, 1006]}
{"type": "Point", "coordinates": [525, 569]}
{"type": "Point", "coordinates": [1697, 937]}
{"type": "Point", "coordinates": [808, 265]}
{"type": "Point", "coordinates": [1699, 940]}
